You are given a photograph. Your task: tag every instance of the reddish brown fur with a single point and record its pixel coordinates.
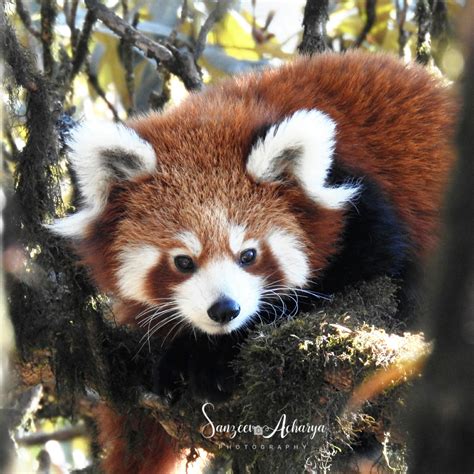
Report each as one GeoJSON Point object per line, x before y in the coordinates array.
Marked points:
{"type": "Point", "coordinates": [394, 123]}
{"type": "Point", "coordinates": [152, 450]}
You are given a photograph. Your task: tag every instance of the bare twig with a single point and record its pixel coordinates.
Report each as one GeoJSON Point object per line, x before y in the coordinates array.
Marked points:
{"type": "Point", "coordinates": [48, 18]}
{"type": "Point", "coordinates": [216, 14]}
{"type": "Point", "coordinates": [25, 17]}
{"type": "Point", "coordinates": [158, 99]}
{"type": "Point", "coordinates": [314, 27]}
{"type": "Point", "coordinates": [403, 34]}
{"type": "Point", "coordinates": [82, 44]}
{"type": "Point", "coordinates": [94, 82]}
{"type": "Point", "coordinates": [126, 57]}
{"type": "Point", "coordinates": [70, 12]}
{"type": "Point", "coordinates": [65, 434]}
{"type": "Point", "coordinates": [424, 19]}
{"type": "Point", "coordinates": [122, 29]}
{"type": "Point", "coordinates": [25, 405]}
{"type": "Point", "coordinates": [182, 18]}
{"type": "Point", "coordinates": [370, 6]}
{"type": "Point", "coordinates": [179, 62]}
{"type": "Point", "coordinates": [184, 11]}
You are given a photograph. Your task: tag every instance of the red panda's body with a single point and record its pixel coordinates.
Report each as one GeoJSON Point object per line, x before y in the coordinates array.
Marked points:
{"type": "Point", "coordinates": [328, 167]}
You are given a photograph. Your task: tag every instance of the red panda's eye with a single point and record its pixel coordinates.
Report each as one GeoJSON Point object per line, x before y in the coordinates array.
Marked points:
{"type": "Point", "coordinates": [248, 256]}
{"type": "Point", "coordinates": [184, 263]}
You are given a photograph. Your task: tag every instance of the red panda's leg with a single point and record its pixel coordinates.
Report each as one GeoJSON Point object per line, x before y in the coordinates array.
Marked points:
{"type": "Point", "coordinates": [135, 444]}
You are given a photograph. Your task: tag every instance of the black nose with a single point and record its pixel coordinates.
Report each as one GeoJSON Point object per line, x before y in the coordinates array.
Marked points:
{"type": "Point", "coordinates": [224, 310]}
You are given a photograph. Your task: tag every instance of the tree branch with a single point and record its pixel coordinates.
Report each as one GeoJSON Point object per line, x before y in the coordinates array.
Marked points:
{"type": "Point", "coordinates": [444, 404]}
{"type": "Point", "coordinates": [179, 62]}
{"type": "Point", "coordinates": [65, 434]}
{"type": "Point", "coordinates": [440, 23]}
{"type": "Point", "coordinates": [403, 34]}
{"type": "Point", "coordinates": [22, 408]}
{"type": "Point", "coordinates": [314, 23]}
{"type": "Point", "coordinates": [126, 56]}
{"type": "Point", "coordinates": [94, 82]}
{"type": "Point", "coordinates": [424, 19]}
{"type": "Point", "coordinates": [82, 44]}
{"type": "Point", "coordinates": [18, 60]}
{"type": "Point", "coordinates": [211, 20]}
{"type": "Point", "coordinates": [370, 6]}
{"type": "Point", "coordinates": [70, 12]}
{"type": "Point", "coordinates": [48, 18]}
{"type": "Point", "coordinates": [25, 17]}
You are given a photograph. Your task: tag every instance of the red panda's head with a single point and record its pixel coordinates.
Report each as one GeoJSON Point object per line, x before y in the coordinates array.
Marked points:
{"type": "Point", "coordinates": [204, 219]}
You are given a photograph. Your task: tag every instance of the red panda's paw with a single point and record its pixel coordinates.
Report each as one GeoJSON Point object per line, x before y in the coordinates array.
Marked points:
{"type": "Point", "coordinates": [169, 377]}
{"type": "Point", "coordinates": [201, 368]}
{"type": "Point", "coordinates": [212, 379]}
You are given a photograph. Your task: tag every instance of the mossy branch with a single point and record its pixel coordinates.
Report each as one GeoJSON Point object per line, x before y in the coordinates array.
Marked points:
{"type": "Point", "coordinates": [309, 367]}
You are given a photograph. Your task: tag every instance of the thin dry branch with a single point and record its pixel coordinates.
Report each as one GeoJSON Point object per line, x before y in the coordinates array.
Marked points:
{"type": "Point", "coordinates": [70, 12]}
{"type": "Point", "coordinates": [370, 6]}
{"type": "Point", "coordinates": [216, 14]}
{"type": "Point", "coordinates": [39, 438]}
{"type": "Point", "coordinates": [179, 62]}
{"type": "Point", "coordinates": [403, 34]}
{"type": "Point", "coordinates": [126, 56]}
{"type": "Point", "coordinates": [81, 50]}
{"type": "Point", "coordinates": [24, 407]}
{"type": "Point", "coordinates": [25, 17]}
{"type": "Point", "coordinates": [48, 19]}
{"type": "Point", "coordinates": [121, 28]}
{"type": "Point", "coordinates": [94, 82]}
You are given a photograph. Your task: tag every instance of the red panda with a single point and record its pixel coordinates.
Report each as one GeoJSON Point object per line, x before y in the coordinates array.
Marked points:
{"type": "Point", "coordinates": [325, 171]}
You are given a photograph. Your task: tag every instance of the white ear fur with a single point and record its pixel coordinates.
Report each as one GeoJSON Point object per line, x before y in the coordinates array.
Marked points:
{"type": "Point", "coordinates": [303, 143]}
{"type": "Point", "coordinates": [102, 152]}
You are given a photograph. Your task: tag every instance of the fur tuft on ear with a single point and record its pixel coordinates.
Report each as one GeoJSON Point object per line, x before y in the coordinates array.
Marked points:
{"type": "Point", "coordinates": [302, 144]}
{"type": "Point", "coordinates": [102, 153]}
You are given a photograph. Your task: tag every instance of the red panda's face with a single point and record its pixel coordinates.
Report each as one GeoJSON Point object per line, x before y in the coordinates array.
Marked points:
{"type": "Point", "coordinates": [205, 236]}
{"type": "Point", "coordinates": [210, 246]}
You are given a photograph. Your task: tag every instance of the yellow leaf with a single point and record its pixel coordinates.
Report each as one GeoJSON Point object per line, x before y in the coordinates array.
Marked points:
{"type": "Point", "coordinates": [110, 68]}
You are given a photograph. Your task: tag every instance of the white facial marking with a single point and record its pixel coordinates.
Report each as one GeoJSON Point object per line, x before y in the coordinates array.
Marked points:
{"type": "Point", "coordinates": [236, 237]}
{"type": "Point", "coordinates": [291, 256]}
{"type": "Point", "coordinates": [217, 279]}
{"type": "Point", "coordinates": [303, 143]}
{"type": "Point", "coordinates": [89, 141]}
{"type": "Point", "coordinates": [135, 264]}
{"type": "Point", "coordinates": [191, 242]}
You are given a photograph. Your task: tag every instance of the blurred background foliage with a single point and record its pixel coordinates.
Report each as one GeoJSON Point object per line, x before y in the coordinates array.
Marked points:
{"type": "Point", "coordinates": [250, 34]}
{"type": "Point", "coordinates": [114, 80]}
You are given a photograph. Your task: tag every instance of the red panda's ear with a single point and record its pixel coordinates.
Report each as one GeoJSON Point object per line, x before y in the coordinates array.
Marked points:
{"type": "Point", "coordinates": [302, 144]}
{"type": "Point", "coordinates": [102, 153]}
